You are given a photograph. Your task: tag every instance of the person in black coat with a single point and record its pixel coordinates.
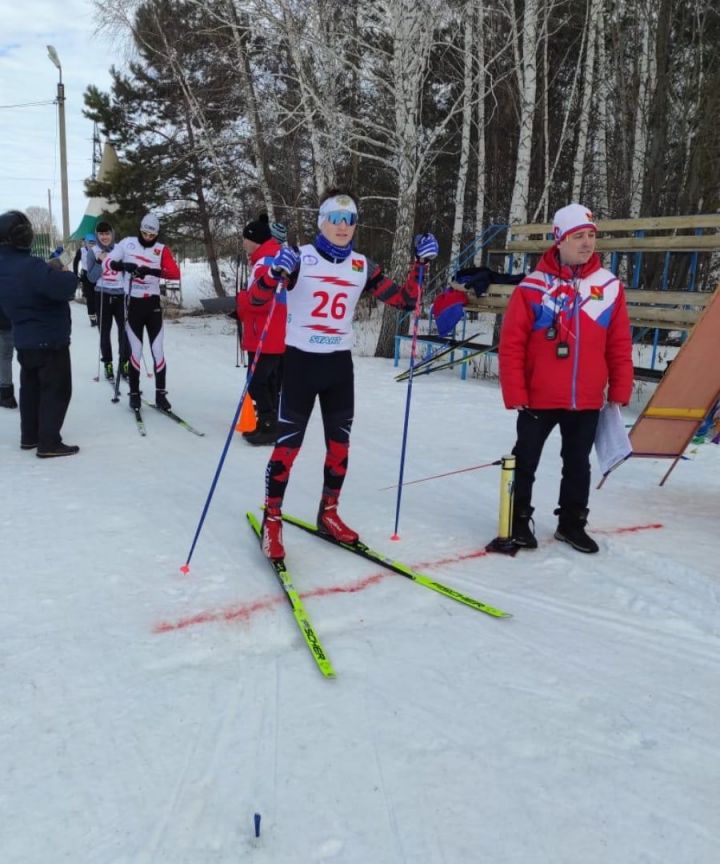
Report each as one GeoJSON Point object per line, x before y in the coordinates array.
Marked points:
{"type": "Point", "coordinates": [35, 298]}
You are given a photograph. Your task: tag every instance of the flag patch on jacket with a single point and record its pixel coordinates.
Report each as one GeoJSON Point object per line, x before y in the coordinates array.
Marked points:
{"type": "Point", "coordinates": [596, 292]}
{"type": "Point", "coordinates": [357, 265]}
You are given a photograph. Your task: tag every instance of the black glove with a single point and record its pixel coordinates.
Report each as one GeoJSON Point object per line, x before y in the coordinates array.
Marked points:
{"type": "Point", "coordinates": [117, 266]}
{"type": "Point", "coordinates": [142, 271]}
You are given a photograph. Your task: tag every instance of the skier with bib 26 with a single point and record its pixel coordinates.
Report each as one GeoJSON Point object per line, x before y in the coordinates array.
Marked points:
{"type": "Point", "coordinates": [325, 280]}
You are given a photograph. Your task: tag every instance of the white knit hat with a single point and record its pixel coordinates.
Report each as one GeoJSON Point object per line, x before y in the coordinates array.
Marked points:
{"type": "Point", "coordinates": [572, 218]}
{"type": "Point", "coordinates": [150, 223]}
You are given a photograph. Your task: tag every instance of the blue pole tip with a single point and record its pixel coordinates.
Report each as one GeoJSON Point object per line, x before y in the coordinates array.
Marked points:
{"type": "Point", "coordinates": [256, 820]}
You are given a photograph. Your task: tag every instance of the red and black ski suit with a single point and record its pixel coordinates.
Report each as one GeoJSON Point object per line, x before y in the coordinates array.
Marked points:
{"type": "Point", "coordinates": [316, 372]}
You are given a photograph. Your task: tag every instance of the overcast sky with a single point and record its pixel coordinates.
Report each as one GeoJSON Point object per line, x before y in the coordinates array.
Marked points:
{"type": "Point", "coordinates": [29, 142]}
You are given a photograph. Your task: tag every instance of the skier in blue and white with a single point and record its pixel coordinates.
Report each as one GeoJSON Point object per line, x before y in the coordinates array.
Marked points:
{"type": "Point", "coordinates": [324, 282]}
{"type": "Point", "coordinates": [109, 288]}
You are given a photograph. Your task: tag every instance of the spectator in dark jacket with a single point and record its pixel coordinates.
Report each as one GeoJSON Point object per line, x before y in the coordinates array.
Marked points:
{"type": "Point", "coordinates": [35, 297]}
{"type": "Point", "coordinates": [7, 392]}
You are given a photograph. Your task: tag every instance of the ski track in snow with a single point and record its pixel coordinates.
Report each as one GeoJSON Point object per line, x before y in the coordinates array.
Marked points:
{"type": "Point", "coordinates": [148, 714]}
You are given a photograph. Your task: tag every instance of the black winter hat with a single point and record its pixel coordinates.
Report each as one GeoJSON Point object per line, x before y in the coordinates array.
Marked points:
{"type": "Point", "coordinates": [103, 226]}
{"type": "Point", "coordinates": [259, 230]}
{"type": "Point", "coordinates": [16, 230]}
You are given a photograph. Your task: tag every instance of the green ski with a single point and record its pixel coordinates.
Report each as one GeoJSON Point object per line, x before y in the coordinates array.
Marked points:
{"type": "Point", "coordinates": [364, 551]}
{"type": "Point", "coordinates": [298, 608]}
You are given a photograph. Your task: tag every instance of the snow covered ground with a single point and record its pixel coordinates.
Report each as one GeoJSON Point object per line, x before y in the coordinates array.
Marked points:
{"type": "Point", "coordinates": [148, 715]}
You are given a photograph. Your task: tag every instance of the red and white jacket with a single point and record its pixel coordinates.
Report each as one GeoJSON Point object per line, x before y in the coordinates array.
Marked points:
{"type": "Point", "coordinates": [254, 317]}
{"type": "Point", "coordinates": [585, 306]}
{"type": "Point", "coordinates": [157, 257]}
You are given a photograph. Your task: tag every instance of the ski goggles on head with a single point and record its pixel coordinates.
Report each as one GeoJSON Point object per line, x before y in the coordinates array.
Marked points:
{"type": "Point", "coordinates": [335, 217]}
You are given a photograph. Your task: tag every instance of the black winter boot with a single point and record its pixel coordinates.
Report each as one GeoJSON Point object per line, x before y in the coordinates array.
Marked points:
{"type": "Point", "coordinates": [266, 430]}
{"type": "Point", "coordinates": [523, 527]}
{"type": "Point", "coordinates": [7, 397]}
{"type": "Point", "coordinates": [161, 400]}
{"type": "Point", "coordinates": [571, 529]}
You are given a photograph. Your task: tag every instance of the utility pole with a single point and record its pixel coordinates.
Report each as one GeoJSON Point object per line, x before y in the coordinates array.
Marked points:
{"type": "Point", "coordinates": [55, 60]}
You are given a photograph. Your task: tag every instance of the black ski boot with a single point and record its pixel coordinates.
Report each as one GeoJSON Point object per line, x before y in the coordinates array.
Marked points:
{"type": "Point", "coordinates": [571, 529]}
{"type": "Point", "coordinates": [7, 397]}
{"type": "Point", "coordinates": [109, 373]}
{"type": "Point", "coordinates": [266, 431]}
{"type": "Point", "coordinates": [135, 403]}
{"type": "Point", "coordinates": [523, 527]}
{"type": "Point", "coordinates": [161, 400]}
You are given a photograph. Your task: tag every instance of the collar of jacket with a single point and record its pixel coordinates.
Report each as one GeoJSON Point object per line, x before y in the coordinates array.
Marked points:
{"type": "Point", "coordinates": [550, 264]}
{"type": "Point", "coordinates": [268, 249]}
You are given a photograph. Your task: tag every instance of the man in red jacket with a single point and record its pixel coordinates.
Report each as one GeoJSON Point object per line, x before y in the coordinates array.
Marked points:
{"type": "Point", "coordinates": [565, 339]}
{"type": "Point", "coordinates": [261, 247]}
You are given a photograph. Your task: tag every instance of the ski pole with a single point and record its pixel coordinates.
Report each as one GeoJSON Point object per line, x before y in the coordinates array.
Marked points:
{"type": "Point", "coordinates": [186, 566]}
{"type": "Point", "coordinates": [97, 377]}
{"type": "Point", "coordinates": [126, 307]}
{"type": "Point", "coordinates": [238, 333]}
{"type": "Point", "coordinates": [446, 474]}
{"type": "Point", "coordinates": [413, 348]}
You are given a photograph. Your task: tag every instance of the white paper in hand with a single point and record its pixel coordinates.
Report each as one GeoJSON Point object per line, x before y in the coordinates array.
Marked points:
{"type": "Point", "coordinates": [612, 443]}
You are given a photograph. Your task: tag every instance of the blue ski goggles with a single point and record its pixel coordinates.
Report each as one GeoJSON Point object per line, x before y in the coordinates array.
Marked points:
{"type": "Point", "coordinates": [335, 217]}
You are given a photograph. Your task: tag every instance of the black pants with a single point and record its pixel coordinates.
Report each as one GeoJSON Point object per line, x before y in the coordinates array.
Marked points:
{"type": "Point", "coordinates": [577, 431]}
{"type": "Point", "coordinates": [111, 307]}
{"type": "Point", "coordinates": [45, 391]}
{"type": "Point", "coordinates": [306, 376]}
{"type": "Point", "coordinates": [145, 313]}
{"type": "Point", "coordinates": [265, 384]}
{"type": "Point", "coordinates": [88, 290]}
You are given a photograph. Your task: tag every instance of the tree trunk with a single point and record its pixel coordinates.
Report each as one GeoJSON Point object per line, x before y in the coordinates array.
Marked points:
{"type": "Point", "coordinates": [528, 75]}
{"type": "Point", "coordinates": [480, 120]}
{"type": "Point", "coordinates": [637, 171]}
{"type": "Point", "coordinates": [461, 181]}
{"type": "Point", "coordinates": [594, 12]}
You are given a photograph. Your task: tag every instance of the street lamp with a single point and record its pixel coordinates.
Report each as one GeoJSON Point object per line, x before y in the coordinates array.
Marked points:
{"type": "Point", "coordinates": [53, 55]}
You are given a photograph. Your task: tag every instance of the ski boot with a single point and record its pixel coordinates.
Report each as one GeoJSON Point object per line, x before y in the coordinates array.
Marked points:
{"type": "Point", "coordinates": [135, 402]}
{"type": "Point", "coordinates": [109, 372]}
{"type": "Point", "coordinates": [272, 542]}
{"type": "Point", "coordinates": [328, 522]}
{"type": "Point", "coordinates": [161, 400]}
{"type": "Point", "coordinates": [265, 432]}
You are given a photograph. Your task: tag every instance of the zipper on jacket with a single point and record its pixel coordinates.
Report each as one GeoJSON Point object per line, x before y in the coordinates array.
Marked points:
{"type": "Point", "coordinates": [576, 356]}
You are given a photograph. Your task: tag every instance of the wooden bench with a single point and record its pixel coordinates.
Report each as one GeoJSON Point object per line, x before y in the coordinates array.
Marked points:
{"type": "Point", "coordinates": [648, 245]}
{"type": "Point", "coordinates": [662, 310]}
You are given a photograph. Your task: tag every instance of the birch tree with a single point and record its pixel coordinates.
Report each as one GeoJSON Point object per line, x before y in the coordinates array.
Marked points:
{"type": "Point", "coordinates": [527, 86]}
{"type": "Point", "coordinates": [480, 125]}
{"type": "Point", "coordinates": [595, 11]}
{"type": "Point", "coordinates": [467, 106]}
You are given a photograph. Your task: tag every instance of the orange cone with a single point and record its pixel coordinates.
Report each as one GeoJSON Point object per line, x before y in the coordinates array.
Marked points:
{"type": "Point", "coordinates": [248, 420]}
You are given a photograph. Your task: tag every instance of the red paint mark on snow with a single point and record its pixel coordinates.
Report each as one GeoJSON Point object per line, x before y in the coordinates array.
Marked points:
{"type": "Point", "coordinates": [631, 529]}
{"type": "Point", "coordinates": [245, 611]}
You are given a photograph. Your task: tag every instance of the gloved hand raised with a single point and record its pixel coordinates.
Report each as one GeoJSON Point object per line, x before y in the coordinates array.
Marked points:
{"type": "Point", "coordinates": [426, 247]}
{"type": "Point", "coordinates": [285, 263]}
